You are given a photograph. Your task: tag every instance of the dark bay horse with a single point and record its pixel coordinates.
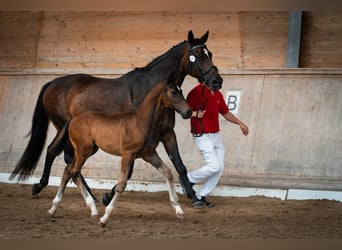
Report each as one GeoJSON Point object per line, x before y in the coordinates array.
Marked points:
{"type": "Point", "coordinates": [130, 136]}
{"type": "Point", "coordinates": [65, 97]}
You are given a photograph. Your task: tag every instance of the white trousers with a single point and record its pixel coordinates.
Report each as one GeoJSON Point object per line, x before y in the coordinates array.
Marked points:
{"type": "Point", "coordinates": [212, 150]}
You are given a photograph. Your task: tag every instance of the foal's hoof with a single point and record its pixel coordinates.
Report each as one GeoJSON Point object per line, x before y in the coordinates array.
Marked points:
{"type": "Point", "coordinates": [106, 198]}
{"type": "Point", "coordinates": [101, 224]}
{"type": "Point", "coordinates": [37, 188]}
{"type": "Point", "coordinates": [180, 216]}
{"type": "Point", "coordinates": [51, 213]}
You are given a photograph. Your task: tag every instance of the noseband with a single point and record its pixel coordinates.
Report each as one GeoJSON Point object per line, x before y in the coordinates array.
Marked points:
{"type": "Point", "coordinates": [202, 73]}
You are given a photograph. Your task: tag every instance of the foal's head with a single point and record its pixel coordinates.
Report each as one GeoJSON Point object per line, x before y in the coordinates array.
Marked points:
{"type": "Point", "coordinates": [198, 62]}
{"type": "Point", "coordinates": [172, 97]}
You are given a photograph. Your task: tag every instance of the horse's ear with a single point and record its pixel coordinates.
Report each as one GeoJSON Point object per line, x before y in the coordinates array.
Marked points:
{"type": "Point", "coordinates": [190, 36]}
{"type": "Point", "coordinates": [204, 38]}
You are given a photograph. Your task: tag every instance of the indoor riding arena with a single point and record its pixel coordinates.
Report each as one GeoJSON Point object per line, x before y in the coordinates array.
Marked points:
{"type": "Point", "coordinates": [282, 76]}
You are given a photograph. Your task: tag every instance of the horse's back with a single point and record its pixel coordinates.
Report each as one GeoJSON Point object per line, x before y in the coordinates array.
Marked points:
{"type": "Point", "coordinates": [72, 94]}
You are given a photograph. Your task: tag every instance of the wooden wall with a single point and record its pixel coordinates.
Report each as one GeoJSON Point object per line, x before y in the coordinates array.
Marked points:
{"type": "Point", "coordinates": [122, 40]}
{"type": "Point", "coordinates": [321, 43]}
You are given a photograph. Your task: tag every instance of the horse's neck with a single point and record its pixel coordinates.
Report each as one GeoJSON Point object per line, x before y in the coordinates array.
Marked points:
{"type": "Point", "coordinates": [167, 65]}
{"type": "Point", "coordinates": [170, 68]}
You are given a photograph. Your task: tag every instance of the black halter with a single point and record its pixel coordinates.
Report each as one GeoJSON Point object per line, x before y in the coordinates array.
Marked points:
{"type": "Point", "coordinates": [202, 74]}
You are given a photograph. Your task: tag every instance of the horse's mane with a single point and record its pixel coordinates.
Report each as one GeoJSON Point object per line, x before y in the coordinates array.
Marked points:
{"type": "Point", "coordinates": [157, 59]}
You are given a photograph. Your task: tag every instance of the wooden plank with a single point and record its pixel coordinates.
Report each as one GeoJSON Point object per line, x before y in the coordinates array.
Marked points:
{"type": "Point", "coordinates": [321, 44]}
{"type": "Point", "coordinates": [19, 39]}
{"type": "Point", "coordinates": [132, 39]}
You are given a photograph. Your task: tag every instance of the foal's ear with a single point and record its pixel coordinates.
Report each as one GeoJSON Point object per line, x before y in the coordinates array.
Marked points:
{"type": "Point", "coordinates": [204, 38]}
{"type": "Point", "coordinates": [190, 36]}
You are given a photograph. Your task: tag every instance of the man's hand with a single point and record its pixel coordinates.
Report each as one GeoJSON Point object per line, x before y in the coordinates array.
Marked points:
{"type": "Point", "coordinates": [198, 113]}
{"type": "Point", "coordinates": [244, 128]}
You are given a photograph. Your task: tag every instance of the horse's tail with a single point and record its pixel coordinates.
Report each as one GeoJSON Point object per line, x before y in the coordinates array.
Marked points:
{"type": "Point", "coordinates": [40, 123]}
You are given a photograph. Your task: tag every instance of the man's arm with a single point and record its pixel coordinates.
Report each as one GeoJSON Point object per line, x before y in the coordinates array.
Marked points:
{"type": "Point", "coordinates": [233, 119]}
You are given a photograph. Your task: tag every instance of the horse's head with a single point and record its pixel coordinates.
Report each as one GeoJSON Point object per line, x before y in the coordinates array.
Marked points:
{"type": "Point", "coordinates": [198, 62]}
{"type": "Point", "coordinates": [173, 98]}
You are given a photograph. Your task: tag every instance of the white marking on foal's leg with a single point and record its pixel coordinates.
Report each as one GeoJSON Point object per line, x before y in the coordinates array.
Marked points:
{"type": "Point", "coordinates": [89, 200]}
{"type": "Point", "coordinates": [91, 204]}
{"type": "Point", "coordinates": [109, 209]}
{"type": "Point", "coordinates": [166, 172]}
{"type": "Point", "coordinates": [174, 200]}
{"type": "Point", "coordinates": [56, 201]}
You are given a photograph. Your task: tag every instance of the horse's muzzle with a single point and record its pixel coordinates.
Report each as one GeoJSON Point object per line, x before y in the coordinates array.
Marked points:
{"type": "Point", "coordinates": [215, 84]}
{"type": "Point", "coordinates": [187, 115]}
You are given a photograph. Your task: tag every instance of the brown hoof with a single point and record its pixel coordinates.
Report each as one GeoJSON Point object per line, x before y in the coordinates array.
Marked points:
{"type": "Point", "coordinates": [101, 224]}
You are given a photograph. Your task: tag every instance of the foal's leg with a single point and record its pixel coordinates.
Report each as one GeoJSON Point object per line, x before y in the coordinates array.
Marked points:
{"type": "Point", "coordinates": [59, 196]}
{"type": "Point", "coordinates": [106, 197]}
{"type": "Point", "coordinates": [59, 143]}
{"type": "Point", "coordinates": [155, 160]}
{"type": "Point", "coordinates": [126, 163]}
{"type": "Point", "coordinates": [76, 177]}
{"type": "Point", "coordinates": [82, 152]}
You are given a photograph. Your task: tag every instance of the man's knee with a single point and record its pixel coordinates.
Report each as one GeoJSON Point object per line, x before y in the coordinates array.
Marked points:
{"type": "Point", "coordinates": [214, 168]}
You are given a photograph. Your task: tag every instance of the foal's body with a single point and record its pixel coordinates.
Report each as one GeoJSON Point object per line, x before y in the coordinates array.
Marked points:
{"type": "Point", "coordinates": [130, 136]}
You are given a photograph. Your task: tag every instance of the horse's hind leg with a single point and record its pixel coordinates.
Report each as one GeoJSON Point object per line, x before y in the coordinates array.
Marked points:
{"type": "Point", "coordinates": [38, 187]}
{"type": "Point", "coordinates": [83, 150]}
{"type": "Point", "coordinates": [54, 149]}
{"type": "Point", "coordinates": [86, 195]}
{"type": "Point", "coordinates": [155, 160]}
{"type": "Point", "coordinates": [59, 196]}
{"type": "Point", "coordinates": [69, 155]}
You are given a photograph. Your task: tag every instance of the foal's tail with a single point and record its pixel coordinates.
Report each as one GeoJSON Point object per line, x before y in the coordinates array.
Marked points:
{"type": "Point", "coordinates": [40, 123]}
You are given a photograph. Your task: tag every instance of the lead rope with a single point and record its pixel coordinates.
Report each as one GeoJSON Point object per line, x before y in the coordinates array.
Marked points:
{"type": "Point", "coordinates": [199, 120]}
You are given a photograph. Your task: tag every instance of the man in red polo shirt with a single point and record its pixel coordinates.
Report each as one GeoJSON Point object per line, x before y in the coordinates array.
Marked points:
{"type": "Point", "coordinates": [206, 105]}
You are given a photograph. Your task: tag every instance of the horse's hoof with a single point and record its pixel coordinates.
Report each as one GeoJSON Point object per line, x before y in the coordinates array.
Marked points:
{"type": "Point", "coordinates": [37, 188]}
{"type": "Point", "coordinates": [106, 198]}
{"type": "Point", "coordinates": [180, 216]}
{"type": "Point", "coordinates": [101, 224]}
{"type": "Point", "coordinates": [51, 213]}
{"type": "Point", "coordinates": [95, 216]}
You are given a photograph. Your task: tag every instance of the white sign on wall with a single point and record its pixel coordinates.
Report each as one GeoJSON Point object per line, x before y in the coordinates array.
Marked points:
{"type": "Point", "coordinates": [233, 100]}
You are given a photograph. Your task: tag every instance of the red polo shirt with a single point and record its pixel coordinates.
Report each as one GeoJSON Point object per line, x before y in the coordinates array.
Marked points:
{"type": "Point", "coordinates": [201, 98]}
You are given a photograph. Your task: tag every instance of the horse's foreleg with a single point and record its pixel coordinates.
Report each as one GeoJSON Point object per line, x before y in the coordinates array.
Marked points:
{"type": "Point", "coordinates": [59, 196]}
{"type": "Point", "coordinates": [155, 160]}
{"type": "Point", "coordinates": [169, 141]}
{"type": "Point", "coordinates": [126, 163]}
{"type": "Point", "coordinates": [107, 197]}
